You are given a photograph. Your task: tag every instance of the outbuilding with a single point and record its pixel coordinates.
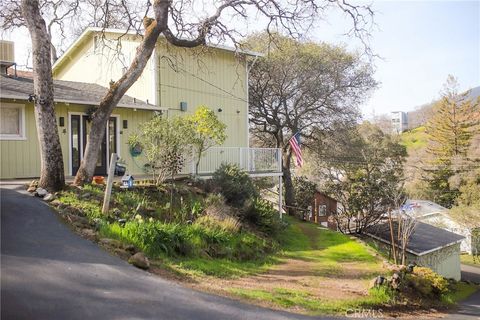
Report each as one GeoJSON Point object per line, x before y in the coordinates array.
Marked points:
{"type": "Point", "coordinates": [428, 246]}
{"type": "Point", "coordinates": [323, 210]}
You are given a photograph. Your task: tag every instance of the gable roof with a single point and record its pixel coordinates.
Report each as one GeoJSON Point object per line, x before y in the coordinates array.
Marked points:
{"type": "Point", "coordinates": [325, 195]}
{"type": "Point", "coordinates": [91, 30]}
{"type": "Point", "coordinates": [67, 91]}
{"type": "Point", "coordinates": [424, 239]}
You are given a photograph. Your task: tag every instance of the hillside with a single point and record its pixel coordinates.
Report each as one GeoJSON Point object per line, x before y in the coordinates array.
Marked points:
{"type": "Point", "coordinates": [414, 139]}
{"type": "Point", "coordinates": [420, 115]}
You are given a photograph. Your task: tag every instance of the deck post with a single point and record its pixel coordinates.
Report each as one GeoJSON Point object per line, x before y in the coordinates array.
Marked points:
{"type": "Point", "coordinates": [280, 195]}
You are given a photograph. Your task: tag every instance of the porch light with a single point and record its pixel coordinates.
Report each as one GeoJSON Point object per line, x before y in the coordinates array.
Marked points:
{"type": "Point", "coordinates": [183, 106]}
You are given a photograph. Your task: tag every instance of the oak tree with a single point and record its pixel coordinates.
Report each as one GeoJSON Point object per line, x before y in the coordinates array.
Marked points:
{"type": "Point", "coordinates": [303, 87]}
{"type": "Point", "coordinates": [364, 173]}
{"type": "Point", "coordinates": [182, 25]}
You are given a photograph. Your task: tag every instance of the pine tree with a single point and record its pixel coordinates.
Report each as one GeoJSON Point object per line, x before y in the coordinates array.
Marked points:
{"type": "Point", "coordinates": [450, 131]}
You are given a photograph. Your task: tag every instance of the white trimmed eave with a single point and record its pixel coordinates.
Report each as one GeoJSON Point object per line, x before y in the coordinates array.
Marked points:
{"type": "Point", "coordinates": [90, 103]}
{"type": "Point", "coordinates": [87, 31]}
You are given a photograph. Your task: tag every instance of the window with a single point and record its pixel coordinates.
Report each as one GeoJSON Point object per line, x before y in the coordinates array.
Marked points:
{"type": "Point", "coordinates": [12, 121]}
{"type": "Point", "coordinates": [322, 210]}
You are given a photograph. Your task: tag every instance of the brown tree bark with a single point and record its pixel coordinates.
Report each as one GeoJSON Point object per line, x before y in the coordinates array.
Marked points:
{"type": "Point", "coordinates": [118, 89]}
{"type": "Point", "coordinates": [287, 180]}
{"type": "Point", "coordinates": [51, 161]}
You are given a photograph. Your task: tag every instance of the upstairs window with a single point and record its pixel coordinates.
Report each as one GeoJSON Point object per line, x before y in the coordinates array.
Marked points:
{"type": "Point", "coordinates": [12, 121]}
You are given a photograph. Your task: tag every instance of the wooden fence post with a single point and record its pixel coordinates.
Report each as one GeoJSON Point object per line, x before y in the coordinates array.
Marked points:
{"type": "Point", "coordinates": [108, 189]}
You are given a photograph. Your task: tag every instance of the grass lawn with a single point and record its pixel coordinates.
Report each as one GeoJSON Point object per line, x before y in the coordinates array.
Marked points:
{"type": "Point", "coordinates": [317, 271]}
{"type": "Point", "coordinates": [414, 139]}
{"type": "Point", "coordinates": [468, 259]}
{"type": "Point", "coordinates": [460, 292]}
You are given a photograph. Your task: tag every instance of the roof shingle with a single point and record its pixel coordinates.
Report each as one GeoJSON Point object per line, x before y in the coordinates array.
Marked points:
{"type": "Point", "coordinates": [424, 239]}
{"type": "Point", "coordinates": [66, 91]}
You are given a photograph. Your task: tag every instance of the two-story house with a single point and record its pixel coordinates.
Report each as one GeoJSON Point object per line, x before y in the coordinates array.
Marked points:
{"type": "Point", "coordinates": [175, 82]}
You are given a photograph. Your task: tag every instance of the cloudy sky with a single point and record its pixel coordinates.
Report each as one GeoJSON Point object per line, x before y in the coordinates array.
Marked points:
{"type": "Point", "coordinates": [420, 43]}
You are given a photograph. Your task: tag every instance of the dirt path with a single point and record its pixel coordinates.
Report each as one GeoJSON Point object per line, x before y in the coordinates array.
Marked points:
{"type": "Point", "coordinates": [320, 280]}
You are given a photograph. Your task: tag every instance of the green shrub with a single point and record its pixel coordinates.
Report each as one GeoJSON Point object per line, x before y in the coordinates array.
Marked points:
{"type": "Point", "coordinates": [228, 223]}
{"type": "Point", "coordinates": [214, 199]}
{"type": "Point", "coordinates": [263, 216]}
{"type": "Point", "coordinates": [158, 239]}
{"type": "Point", "coordinates": [234, 184]}
{"type": "Point", "coordinates": [304, 191]}
{"type": "Point", "coordinates": [427, 283]}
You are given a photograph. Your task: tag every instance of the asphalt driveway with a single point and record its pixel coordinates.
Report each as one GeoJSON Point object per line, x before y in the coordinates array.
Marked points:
{"type": "Point", "coordinates": [48, 272]}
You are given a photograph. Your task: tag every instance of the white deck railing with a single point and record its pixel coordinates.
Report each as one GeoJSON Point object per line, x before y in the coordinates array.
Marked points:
{"type": "Point", "coordinates": [252, 160]}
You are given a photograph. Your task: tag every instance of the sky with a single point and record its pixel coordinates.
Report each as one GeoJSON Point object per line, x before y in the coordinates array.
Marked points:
{"type": "Point", "coordinates": [420, 43]}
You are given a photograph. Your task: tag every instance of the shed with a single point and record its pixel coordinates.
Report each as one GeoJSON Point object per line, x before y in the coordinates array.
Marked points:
{"type": "Point", "coordinates": [324, 208]}
{"type": "Point", "coordinates": [429, 246]}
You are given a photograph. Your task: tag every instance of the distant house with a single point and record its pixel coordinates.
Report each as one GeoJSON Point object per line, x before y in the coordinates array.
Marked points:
{"type": "Point", "coordinates": [323, 209]}
{"type": "Point", "coordinates": [428, 246]}
{"type": "Point", "coordinates": [399, 121]}
{"type": "Point", "coordinates": [438, 216]}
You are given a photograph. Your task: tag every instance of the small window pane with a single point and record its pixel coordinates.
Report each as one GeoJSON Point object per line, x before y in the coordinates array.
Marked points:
{"type": "Point", "coordinates": [322, 210]}
{"type": "Point", "coordinates": [10, 121]}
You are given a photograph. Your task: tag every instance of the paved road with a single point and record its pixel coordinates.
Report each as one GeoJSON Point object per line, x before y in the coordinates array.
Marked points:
{"type": "Point", "coordinates": [471, 273]}
{"type": "Point", "coordinates": [470, 308]}
{"type": "Point", "coordinates": [47, 272]}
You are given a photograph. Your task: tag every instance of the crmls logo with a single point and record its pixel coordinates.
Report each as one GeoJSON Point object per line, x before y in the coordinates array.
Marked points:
{"type": "Point", "coordinates": [364, 313]}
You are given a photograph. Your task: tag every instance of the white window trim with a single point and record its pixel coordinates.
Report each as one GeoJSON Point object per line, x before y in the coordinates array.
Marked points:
{"type": "Point", "coordinates": [22, 135]}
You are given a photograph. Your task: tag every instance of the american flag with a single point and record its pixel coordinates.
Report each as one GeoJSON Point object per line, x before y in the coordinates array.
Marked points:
{"type": "Point", "coordinates": [295, 145]}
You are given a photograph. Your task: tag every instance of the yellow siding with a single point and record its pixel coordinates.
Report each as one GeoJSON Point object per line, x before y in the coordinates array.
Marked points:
{"type": "Point", "coordinates": [21, 158]}
{"type": "Point", "coordinates": [7, 52]}
{"type": "Point", "coordinates": [214, 77]}
{"type": "Point", "coordinates": [106, 63]}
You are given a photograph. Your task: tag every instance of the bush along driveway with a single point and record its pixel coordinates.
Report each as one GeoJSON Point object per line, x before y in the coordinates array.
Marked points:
{"type": "Point", "coordinates": [48, 272]}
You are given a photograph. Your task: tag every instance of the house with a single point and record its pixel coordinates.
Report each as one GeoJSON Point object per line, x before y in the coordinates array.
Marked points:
{"type": "Point", "coordinates": [399, 121]}
{"type": "Point", "coordinates": [323, 210]}
{"type": "Point", "coordinates": [438, 216]}
{"type": "Point", "coordinates": [428, 246]}
{"type": "Point", "coordinates": [19, 156]}
{"type": "Point", "coordinates": [175, 82]}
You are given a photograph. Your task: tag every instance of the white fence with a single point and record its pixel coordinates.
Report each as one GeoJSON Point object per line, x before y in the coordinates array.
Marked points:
{"type": "Point", "coordinates": [252, 160]}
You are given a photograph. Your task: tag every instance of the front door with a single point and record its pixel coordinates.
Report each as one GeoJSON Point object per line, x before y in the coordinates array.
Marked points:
{"type": "Point", "coordinates": [79, 130]}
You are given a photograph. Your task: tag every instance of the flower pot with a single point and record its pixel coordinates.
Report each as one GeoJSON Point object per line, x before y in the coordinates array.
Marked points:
{"type": "Point", "coordinates": [99, 179]}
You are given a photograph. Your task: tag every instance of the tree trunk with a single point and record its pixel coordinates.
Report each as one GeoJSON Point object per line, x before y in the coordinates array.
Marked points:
{"type": "Point", "coordinates": [92, 149]}
{"type": "Point", "coordinates": [118, 89]}
{"type": "Point", "coordinates": [287, 182]}
{"type": "Point", "coordinates": [52, 176]}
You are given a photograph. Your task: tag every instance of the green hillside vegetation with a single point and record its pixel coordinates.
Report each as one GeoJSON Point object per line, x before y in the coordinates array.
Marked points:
{"type": "Point", "coordinates": [414, 139]}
